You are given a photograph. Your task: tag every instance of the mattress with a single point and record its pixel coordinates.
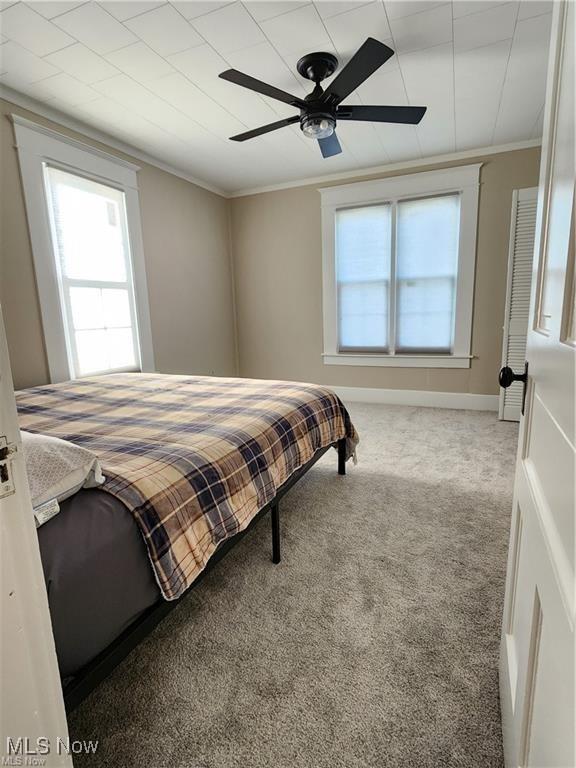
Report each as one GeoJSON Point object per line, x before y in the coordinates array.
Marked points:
{"type": "Point", "coordinates": [98, 575]}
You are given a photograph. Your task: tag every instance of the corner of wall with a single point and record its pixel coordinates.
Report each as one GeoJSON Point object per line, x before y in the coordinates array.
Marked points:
{"type": "Point", "coordinates": [229, 202]}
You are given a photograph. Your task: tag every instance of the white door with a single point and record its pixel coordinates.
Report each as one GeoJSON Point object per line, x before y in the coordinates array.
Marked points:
{"type": "Point", "coordinates": [519, 280]}
{"type": "Point", "coordinates": [32, 717]}
{"type": "Point", "coordinates": [537, 647]}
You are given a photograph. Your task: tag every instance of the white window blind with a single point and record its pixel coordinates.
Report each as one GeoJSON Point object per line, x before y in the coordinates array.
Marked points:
{"type": "Point", "coordinates": [363, 250]}
{"type": "Point", "coordinates": [92, 252]}
{"type": "Point", "coordinates": [427, 266]}
{"type": "Point", "coordinates": [397, 293]}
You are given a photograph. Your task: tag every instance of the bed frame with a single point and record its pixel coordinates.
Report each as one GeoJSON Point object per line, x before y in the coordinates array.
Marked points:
{"type": "Point", "coordinates": [76, 689]}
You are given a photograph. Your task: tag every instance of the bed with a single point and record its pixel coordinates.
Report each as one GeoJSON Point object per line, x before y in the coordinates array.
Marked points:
{"type": "Point", "coordinates": [190, 464]}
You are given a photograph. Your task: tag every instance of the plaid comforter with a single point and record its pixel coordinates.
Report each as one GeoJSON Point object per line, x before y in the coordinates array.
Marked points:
{"type": "Point", "coordinates": [193, 458]}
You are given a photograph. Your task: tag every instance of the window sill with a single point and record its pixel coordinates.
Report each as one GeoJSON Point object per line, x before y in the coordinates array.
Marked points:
{"type": "Point", "coordinates": [399, 361]}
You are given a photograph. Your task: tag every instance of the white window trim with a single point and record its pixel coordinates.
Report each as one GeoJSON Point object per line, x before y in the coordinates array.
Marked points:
{"type": "Point", "coordinates": [36, 146]}
{"type": "Point", "coordinates": [463, 180]}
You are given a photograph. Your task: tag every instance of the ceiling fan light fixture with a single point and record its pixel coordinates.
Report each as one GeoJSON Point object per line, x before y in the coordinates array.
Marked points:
{"type": "Point", "coordinates": [321, 109]}
{"type": "Point", "coordinates": [318, 126]}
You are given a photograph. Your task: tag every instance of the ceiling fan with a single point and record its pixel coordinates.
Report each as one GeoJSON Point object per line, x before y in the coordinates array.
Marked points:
{"type": "Point", "coordinates": [321, 109]}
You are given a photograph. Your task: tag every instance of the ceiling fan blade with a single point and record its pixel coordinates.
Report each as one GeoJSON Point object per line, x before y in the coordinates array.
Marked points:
{"type": "Point", "coordinates": [330, 146]}
{"type": "Point", "coordinates": [265, 129]}
{"type": "Point", "coordinates": [246, 81]}
{"type": "Point", "coordinates": [367, 59]}
{"type": "Point", "coordinates": [410, 115]}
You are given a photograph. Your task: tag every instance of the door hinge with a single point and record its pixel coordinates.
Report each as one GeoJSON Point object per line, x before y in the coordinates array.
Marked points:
{"type": "Point", "coordinates": [7, 450]}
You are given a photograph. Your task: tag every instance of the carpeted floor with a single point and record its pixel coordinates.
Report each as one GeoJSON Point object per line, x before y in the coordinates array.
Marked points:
{"type": "Point", "coordinates": [373, 644]}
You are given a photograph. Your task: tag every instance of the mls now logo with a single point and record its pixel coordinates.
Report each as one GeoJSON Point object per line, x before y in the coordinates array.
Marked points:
{"type": "Point", "coordinates": [24, 747]}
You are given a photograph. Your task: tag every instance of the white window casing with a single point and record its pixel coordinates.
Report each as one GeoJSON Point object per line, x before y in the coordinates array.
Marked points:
{"type": "Point", "coordinates": [462, 180]}
{"type": "Point", "coordinates": [39, 147]}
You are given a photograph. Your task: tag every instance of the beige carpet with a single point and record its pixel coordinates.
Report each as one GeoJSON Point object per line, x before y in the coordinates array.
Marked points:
{"type": "Point", "coordinates": [374, 643]}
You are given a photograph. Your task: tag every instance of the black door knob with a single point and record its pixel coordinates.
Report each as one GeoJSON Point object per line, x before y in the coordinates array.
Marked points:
{"type": "Point", "coordinates": [506, 377]}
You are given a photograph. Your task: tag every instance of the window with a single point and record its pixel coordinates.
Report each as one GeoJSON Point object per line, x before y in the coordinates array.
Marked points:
{"type": "Point", "coordinates": [85, 230]}
{"type": "Point", "coordinates": [399, 268]}
{"type": "Point", "coordinates": [91, 247]}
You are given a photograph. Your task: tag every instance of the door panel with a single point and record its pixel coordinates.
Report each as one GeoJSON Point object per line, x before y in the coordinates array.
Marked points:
{"type": "Point", "coordinates": [551, 476]}
{"type": "Point", "coordinates": [537, 648]}
{"type": "Point", "coordinates": [552, 726]}
{"type": "Point", "coordinates": [31, 702]}
{"type": "Point", "coordinates": [561, 193]}
{"type": "Point", "coordinates": [532, 664]}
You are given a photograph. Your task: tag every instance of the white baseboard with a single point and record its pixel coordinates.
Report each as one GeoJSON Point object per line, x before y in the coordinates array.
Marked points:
{"type": "Point", "coordinates": [460, 400]}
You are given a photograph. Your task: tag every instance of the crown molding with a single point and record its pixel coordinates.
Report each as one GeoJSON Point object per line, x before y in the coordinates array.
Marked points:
{"type": "Point", "coordinates": [67, 121]}
{"type": "Point", "coordinates": [422, 162]}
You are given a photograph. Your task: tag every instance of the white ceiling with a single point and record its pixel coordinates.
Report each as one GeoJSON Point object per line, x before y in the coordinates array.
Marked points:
{"type": "Point", "coordinates": [147, 74]}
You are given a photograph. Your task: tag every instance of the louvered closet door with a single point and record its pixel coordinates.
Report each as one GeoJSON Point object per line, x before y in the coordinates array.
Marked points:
{"type": "Point", "coordinates": [520, 258]}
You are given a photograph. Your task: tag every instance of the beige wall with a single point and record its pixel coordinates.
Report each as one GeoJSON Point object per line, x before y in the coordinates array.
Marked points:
{"type": "Point", "coordinates": [276, 257]}
{"type": "Point", "coordinates": [276, 242]}
{"type": "Point", "coordinates": [186, 249]}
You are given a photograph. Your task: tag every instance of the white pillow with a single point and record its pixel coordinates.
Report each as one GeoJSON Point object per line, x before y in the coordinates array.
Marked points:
{"type": "Point", "coordinates": [57, 469]}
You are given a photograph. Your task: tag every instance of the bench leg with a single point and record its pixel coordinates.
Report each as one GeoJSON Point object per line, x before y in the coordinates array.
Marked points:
{"type": "Point", "coordinates": [275, 518]}
{"type": "Point", "coordinates": [342, 456]}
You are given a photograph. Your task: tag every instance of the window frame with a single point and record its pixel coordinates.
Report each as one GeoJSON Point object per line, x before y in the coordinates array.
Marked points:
{"type": "Point", "coordinates": [37, 148]}
{"type": "Point", "coordinates": [65, 284]}
{"type": "Point", "coordinates": [462, 180]}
